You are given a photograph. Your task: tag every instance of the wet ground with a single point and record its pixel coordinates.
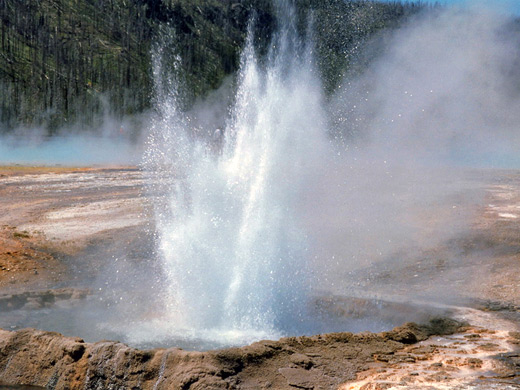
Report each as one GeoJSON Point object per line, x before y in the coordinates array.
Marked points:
{"type": "Point", "coordinates": [52, 217]}
{"type": "Point", "coordinates": [66, 233]}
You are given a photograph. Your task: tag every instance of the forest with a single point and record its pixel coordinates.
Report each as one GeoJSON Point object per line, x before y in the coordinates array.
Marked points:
{"type": "Point", "coordinates": [70, 63]}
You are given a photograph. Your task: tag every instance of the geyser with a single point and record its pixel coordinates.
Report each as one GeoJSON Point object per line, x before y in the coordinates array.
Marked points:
{"type": "Point", "coordinates": [233, 247]}
{"type": "Point", "coordinates": [295, 192]}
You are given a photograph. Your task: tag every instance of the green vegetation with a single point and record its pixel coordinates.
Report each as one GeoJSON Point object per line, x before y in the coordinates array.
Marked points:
{"type": "Point", "coordinates": [70, 62]}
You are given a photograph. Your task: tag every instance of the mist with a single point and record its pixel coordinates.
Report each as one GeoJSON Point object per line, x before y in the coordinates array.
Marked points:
{"type": "Point", "coordinates": [114, 141]}
{"type": "Point", "coordinates": [414, 136]}
{"type": "Point", "coordinates": [444, 91]}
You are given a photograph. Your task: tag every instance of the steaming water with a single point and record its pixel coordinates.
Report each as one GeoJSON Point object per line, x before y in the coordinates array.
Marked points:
{"type": "Point", "coordinates": [233, 248]}
{"type": "Point", "coordinates": [69, 150]}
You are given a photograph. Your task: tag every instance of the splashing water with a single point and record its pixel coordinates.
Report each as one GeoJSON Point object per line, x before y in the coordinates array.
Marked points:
{"type": "Point", "coordinates": [232, 246]}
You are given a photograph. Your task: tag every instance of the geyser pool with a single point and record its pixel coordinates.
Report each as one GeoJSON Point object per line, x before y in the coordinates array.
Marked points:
{"type": "Point", "coordinates": [234, 250]}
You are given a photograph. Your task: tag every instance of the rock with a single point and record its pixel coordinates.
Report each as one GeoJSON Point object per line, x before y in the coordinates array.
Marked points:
{"type": "Point", "coordinates": [474, 362]}
{"type": "Point", "coordinates": [377, 386]}
{"type": "Point", "coordinates": [298, 377]}
{"type": "Point", "coordinates": [34, 300]}
{"type": "Point", "coordinates": [33, 304]}
{"type": "Point", "coordinates": [50, 360]}
{"type": "Point", "coordinates": [301, 360]}
{"type": "Point", "coordinates": [514, 335]}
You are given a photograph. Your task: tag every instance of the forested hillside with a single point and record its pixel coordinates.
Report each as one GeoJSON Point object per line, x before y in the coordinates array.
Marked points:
{"type": "Point", "coordinates": [65, 62]}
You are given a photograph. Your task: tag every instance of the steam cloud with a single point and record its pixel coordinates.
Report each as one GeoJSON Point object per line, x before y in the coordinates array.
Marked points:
{"type": "Point", "coordinates": [114, 141]}
{"type": "Point", "coordinates": [442, 98]}
{"type": "Point", "coordinates": [446, 90]}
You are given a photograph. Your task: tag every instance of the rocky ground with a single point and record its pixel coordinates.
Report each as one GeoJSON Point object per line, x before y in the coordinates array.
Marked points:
{"type": "Point", "coordinates": [60, 226]}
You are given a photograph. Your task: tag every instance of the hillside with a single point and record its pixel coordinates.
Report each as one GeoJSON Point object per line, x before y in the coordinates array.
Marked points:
{"type": "Point", "coordinates": [71, 62]}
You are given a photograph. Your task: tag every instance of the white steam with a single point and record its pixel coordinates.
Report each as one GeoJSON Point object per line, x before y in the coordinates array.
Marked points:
{"type": "Point", "coordinates": [113, 141]}
{"type": "Point", "coordinates": [445, 90]}
{"type": "Point", "coordinates": [442, 98]}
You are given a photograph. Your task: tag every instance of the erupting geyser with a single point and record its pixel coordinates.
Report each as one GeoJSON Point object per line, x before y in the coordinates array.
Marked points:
{"type": "Point", "coordinates": [233, 248]}
{"type": "Point", "coordinates": [294, 191]}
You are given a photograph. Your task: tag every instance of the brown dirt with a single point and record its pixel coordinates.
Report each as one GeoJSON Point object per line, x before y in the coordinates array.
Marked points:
{"type": "Point", "coordinates": [22, 263]}
{"type": "Point", "coordinates": [50, 213]}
